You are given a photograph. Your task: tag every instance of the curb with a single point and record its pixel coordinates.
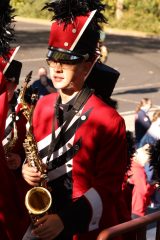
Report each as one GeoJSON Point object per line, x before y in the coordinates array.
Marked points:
{"type": "Point", "coordinates": [33, 20]}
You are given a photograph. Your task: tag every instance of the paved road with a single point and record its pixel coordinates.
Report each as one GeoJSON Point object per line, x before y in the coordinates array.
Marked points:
{"type": "Point", "coordinates": [137, 59]}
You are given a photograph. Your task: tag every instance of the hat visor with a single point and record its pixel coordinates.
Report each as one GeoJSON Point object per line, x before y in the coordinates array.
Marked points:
{"type": "Point", "coordinates": [65, 56]}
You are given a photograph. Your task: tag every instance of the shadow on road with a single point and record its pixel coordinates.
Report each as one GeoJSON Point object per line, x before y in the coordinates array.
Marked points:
{"type": "Point", "coordinates": [115, 43]}
{"type": "Point", "coordinates": [139, 91]}
{"type": "Point", "coordinates": [131, 44]}
{"type": "Point", "coordinates": [32, 39]}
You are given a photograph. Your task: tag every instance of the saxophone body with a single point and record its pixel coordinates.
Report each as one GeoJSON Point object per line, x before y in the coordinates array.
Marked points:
{"type": "Point", "coordinates": [38, 200]}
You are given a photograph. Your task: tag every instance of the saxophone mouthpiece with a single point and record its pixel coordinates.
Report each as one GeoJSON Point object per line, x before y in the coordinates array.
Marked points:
{"type": "Point", "coordinates": [28, 77]}
{"type": "Point", "coordinates": [30, 73]}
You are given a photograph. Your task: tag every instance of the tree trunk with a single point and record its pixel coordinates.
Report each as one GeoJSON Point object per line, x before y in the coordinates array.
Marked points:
{"type": "Point", "coordinates": [119, 9]}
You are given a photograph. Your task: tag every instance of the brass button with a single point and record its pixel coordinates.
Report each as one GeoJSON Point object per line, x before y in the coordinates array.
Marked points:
{"type": "Point", "coordinates": [69, 145]}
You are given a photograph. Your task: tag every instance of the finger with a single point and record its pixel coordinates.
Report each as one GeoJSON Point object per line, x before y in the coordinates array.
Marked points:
{"type": "Point", "coordinates": [31, 172]}
{"type": "Point", "coordinates": [41, 220]}
{"type": "Point", "coordinates": [38, 230]}
{"type": "Point", "coordinates": [43, 233]}
{"type": "Point", "coordinates": [33, 184]}
{"type": "Point", "coordinates": [27, 168]}
{"type": "Point", "coordinates": [32, 181]}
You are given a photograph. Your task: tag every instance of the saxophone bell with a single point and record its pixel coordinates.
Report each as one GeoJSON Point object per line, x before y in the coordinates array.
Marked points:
{"type": "Point", "coordinates": [38, 201]}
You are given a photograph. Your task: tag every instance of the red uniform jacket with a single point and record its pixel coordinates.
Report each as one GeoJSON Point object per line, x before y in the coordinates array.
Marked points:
{"type": "Point", "coordinates": [11, 214]}
{"type": "Point", "coordinates": [95, 153]}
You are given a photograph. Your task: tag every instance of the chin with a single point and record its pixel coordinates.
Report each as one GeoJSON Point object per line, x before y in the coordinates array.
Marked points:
{"type": "Point", "coordinates": [63, 85]}
{"type": "Point", "coordinates": [57, 84]}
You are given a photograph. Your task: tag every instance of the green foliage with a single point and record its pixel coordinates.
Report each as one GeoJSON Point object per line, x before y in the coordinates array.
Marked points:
{"type": "Point", "coordinates": [31, 8]}
{"type": "Point", "coordinates": [111, 8]}
{"type": "Point", "coordinates": [143, 6]}
{"type": "Point", "coordinates": [140, 15]}
{"type": "Point", "coordinates": [138, 22]}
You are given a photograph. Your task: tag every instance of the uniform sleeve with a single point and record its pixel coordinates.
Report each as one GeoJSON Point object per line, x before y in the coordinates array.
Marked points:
{"type": "Point", "coordinates": [3, 105]}
{"type": "Point", "coordinates": [111, 164]}
{"type": "Point", "coordinates": [103, 199]}
{"type": "Point", "coordinates": [76, 216]}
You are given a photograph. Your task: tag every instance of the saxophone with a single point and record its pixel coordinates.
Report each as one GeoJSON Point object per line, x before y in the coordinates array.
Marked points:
{"type": "Point", "coordinates": [21, 97]}
{"type": "Point", "coordinates": [38, 199]}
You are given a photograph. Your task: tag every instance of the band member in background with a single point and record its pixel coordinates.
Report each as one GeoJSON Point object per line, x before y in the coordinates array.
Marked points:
{"type": "Point", "coordinates": [142, 119]}
{"type": "Point", "coordinates": [43, 84]}
{"type": "Point", "coordinates": [15, 118]}
{"type": "Point", "coordinates": [11, 210]}
{"type": "Point", "coordinates": [15, 129]}
{"type": "Point", "coordinates": [141, 195]}
{"type": "Point", "coordinates": [79, 136]}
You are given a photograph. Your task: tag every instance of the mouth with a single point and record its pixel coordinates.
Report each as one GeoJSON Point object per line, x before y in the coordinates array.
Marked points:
{"type": "Point", "coordinates": [57, 78]}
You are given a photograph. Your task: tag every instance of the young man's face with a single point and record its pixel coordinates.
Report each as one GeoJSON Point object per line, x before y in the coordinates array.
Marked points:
{"type": "Point", "coordinates": [66, 76]}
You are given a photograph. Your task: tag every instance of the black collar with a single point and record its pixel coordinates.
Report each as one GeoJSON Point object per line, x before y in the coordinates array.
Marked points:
{"type": "Point", "coordinates": [67, 106]}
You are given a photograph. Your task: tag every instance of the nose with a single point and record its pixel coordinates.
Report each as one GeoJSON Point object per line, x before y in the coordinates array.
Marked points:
{"type": "Point", "coordinates": [58, 67]}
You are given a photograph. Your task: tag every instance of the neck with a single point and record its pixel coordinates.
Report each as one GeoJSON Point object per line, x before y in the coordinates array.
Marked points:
{"type": "Point", "coordinates": [70, 92]}
{"type": "Point", "coordinates": [66, 97]}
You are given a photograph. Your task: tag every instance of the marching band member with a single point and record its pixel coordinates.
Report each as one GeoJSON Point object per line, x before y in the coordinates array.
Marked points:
{"type": "Point", "coordinates": [13, 144]}
{"type": "Point", "coordinates": [15, 129]}
{"type": "Point", "coordinates": [11, 210]}
{"type": "Point", "coordinates": [80, 138]}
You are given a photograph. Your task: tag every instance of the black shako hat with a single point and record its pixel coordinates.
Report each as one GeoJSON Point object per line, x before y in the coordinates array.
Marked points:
{"type": "Point", "coordinates": [6, 35]}
{"type": "Point", "coordinates": [14, 70]}
{"type": "Point", "coordinates": [102, 79]}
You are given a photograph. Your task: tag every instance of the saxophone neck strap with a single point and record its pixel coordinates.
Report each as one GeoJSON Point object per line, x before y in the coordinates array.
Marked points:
{"type": "Point", "coordinates": [80, 100]}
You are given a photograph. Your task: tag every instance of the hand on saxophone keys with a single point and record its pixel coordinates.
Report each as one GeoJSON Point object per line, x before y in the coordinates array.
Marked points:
{"type": "Point", "coordinates": [31, 175]}
{"type": "Point", "coordinates": [48, 227]}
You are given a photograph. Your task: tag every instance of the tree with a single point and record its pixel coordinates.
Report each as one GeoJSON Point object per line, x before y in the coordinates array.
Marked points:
{"type": "Point", "coordinates": [119, 9]}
